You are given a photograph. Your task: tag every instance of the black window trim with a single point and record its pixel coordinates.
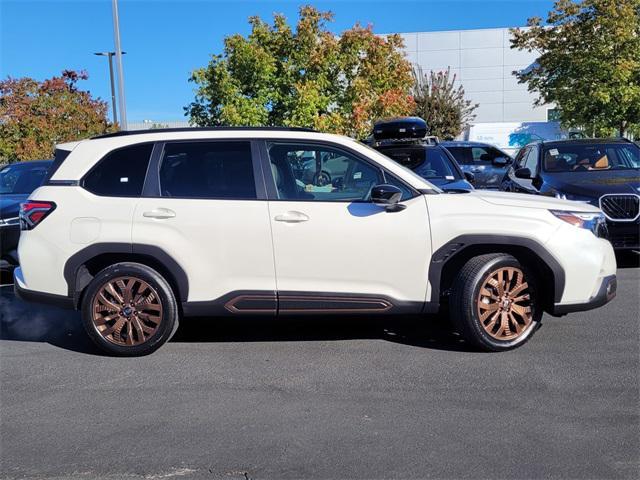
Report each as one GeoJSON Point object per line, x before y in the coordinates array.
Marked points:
{"type": "Point", "coordinates": [81, 182]}
{"type": "Point", "coordinates": [152, 188]}
{"type": "Point", "coordinates": [272, 193]}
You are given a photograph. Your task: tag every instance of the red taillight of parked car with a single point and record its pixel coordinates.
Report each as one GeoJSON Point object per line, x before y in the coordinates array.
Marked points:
{"type": "Point", "coordinates": [33, 212]}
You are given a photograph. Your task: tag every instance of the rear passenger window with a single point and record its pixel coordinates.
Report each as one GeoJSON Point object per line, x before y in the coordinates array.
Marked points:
{"type": "Point", "coordinates": [461, 154]}
{"type": "Point", "coordinates": [215, 170]}
{"type": "Point", "coordinates": [121, 173]}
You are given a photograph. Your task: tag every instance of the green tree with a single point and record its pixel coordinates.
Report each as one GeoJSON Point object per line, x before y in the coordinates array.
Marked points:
{"type": "Point", "coordinates": [34, 116]}
{"type": "Point", "coordinates": [589, 63]}
{"type": "Point", "coordinates": [441, 103]}
{"type": "Point", "coordinates": [306, 77]}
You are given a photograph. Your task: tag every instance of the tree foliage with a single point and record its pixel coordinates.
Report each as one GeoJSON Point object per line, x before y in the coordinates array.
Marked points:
{"type": "Point", "coordinates": [589, 63]}
{"type": "Point", "coordinates": [34, 116]}
{"type": "Point", "coordinates": [306, 77]}
{"type": "Point", "coordinates": [441, 103]}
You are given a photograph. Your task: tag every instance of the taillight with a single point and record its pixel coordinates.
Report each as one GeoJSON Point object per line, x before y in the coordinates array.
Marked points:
{"type": "Point", "coordinates": [33, 212]}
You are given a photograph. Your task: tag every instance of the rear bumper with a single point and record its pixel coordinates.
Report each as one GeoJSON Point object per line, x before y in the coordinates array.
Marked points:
{"type": "Point", "coordinates": [605, 294]}
{"type": "Point", "coordinates": [33, 296]}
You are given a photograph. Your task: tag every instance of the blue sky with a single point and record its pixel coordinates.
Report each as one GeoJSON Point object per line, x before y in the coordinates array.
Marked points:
{"type": "Point", "coordinates": [166, 40]}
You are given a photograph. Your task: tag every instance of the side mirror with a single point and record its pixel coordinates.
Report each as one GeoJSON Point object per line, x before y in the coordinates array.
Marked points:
{"type": "Point", "coordinates": [470, 177]}
{"type": "Point", "coordinates": [387, 196]}
{"type": "Point", "coordinates": [523, 173]}
{"type": "Point", "coordinates": [501, 161]}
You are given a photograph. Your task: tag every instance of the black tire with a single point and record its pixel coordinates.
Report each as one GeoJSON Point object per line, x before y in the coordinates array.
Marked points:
{"type": "Point", "coordinates": [169, 313]}
{"type": "Point", "coordinates": [466, 296]}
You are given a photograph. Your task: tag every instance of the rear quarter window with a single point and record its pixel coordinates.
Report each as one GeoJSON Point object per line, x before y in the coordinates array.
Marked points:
{"type": "Point", "coordinates": [120, 173]}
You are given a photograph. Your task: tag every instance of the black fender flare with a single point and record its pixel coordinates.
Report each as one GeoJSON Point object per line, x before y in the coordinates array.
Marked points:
{"type": "Point", "coordinates": [72, 268]}
{"type": "Point", "coordinates": [454, 247]}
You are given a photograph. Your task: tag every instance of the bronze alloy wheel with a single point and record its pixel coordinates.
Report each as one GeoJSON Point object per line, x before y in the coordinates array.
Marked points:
{"type": "Point", "coordinates": [504, 304]}
{"type": "Point", "coordinates": [127, 311]}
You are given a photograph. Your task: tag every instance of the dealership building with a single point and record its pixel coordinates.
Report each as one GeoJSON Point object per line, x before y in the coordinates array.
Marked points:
{"type": "Point", "coordinates": [483, 63]}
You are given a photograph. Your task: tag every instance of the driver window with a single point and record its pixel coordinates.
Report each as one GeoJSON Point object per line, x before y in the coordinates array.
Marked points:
{"type": "Point", "coordinates": [322, 173]}
{"type": "Point", "coordinates": [482, 155]}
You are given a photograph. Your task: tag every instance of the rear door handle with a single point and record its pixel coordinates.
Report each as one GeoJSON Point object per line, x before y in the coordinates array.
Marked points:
{"type": "Point", "coordinates": [292, 217]}
{"type": "Point", "coordinates": [160, 213]}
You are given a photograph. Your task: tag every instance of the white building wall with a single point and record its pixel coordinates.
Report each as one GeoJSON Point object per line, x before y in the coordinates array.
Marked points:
{"type": "Point", "coordinates": [483, 62]}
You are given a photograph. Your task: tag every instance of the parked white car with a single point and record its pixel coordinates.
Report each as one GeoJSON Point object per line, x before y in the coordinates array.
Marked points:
{"type": "Point", "coordinates": [138, 229]}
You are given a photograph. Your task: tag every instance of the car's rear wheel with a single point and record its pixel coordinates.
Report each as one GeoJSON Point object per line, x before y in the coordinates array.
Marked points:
{"type": "Point", "coordinates": [494, 302]}
{"type": "Point", "coordinates": [129, 309]}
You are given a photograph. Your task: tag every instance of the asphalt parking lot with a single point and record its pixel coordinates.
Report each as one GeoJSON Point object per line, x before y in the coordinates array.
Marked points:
{"type": "Point", "coordinates": [323, 398]}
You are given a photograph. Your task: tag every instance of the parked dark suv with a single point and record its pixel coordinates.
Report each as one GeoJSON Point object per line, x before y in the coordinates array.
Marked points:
{"type": "Point", "coordinates": [404, 140]}
{"type": "Point", "coordinates": [487, 163]}
{"type": "Point", "coordinates": [17, 181]}
{"type": "Point", "coordinates": [603, 172]}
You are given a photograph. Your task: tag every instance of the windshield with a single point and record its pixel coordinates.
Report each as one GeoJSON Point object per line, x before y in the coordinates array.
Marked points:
{"type": "Point", "coordinates": [21, 179]}
{"type": "Point", "coordinates": [591, 157]}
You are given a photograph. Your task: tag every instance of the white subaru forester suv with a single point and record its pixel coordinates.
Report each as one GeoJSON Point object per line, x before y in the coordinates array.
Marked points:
{"type": "Point", "coordinates": [138, 229]}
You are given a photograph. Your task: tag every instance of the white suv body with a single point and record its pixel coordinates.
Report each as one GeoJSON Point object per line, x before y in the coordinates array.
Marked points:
{"type": "Point", "coordinates": [287, 221]}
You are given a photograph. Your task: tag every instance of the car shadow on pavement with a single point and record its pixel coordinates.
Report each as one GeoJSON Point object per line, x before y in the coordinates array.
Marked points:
{"type": "Point", "coordinates": [431, 332]}
{"type": "Point", "coordinates": [26, 322]}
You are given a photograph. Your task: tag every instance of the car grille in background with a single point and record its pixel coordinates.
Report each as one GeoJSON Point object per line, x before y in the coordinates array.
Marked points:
{"type": "Point", "coordinates": [620, 207]}
{"type": "Point", "coordinates": [625, 240]}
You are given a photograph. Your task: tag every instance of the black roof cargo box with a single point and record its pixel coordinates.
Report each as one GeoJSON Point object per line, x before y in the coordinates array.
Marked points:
{"type": "Point", "coordinates": [402, 127]}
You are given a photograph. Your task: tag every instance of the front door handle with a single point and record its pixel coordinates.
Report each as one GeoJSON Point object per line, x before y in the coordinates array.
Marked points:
{"type": "Point", "coordinates": [292, 217]}
{"type": "Point", "coordinates": [160, 213]}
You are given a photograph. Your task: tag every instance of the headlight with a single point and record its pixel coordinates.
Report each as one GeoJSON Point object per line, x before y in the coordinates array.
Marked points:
{"type": "Point", "coordinates": [595, 222]}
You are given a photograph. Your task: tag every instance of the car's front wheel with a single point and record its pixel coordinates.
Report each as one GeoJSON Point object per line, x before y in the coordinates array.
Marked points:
{"type": "Point", "coordinates": [494, 303]}
{"type": "Point", "coordinates": [129, 309]}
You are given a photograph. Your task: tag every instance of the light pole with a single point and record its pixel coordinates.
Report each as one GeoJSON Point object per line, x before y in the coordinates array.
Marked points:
{"type": "Point", "coordinates": [113, 88]}
{"type": "Point", "coordinates": [118, 48]}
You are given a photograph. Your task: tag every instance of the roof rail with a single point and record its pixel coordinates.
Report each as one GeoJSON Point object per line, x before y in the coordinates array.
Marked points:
{"type": "Point", "coordinates": [123, 133]}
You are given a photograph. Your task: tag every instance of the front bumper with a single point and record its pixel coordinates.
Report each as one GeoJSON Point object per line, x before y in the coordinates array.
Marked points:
{"type": "Point", "coordinates": [27, 295]}
{"type": "Point", "coordinates": [605, 294]}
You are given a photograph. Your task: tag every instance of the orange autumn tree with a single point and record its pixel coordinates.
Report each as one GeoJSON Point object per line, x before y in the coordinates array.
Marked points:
{"type": "Point", "coordinates": [34, 115]}
{"type": "Point", "coordinates": [304, 76]}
